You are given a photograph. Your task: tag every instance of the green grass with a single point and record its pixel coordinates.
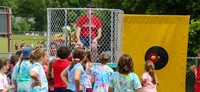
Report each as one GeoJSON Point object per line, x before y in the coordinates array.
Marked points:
{"type": "Point", "coordinates": [18, 39]}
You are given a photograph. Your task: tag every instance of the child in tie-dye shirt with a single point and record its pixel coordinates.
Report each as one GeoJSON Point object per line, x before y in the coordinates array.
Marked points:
{"type": "Point", "coordinates": [124, 80]}
{"type": "Point", "coordinates": [101, 74]}
{"type": "Point", "coordinates": [21, 71]}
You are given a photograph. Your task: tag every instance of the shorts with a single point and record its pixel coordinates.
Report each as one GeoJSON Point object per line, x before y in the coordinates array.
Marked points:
{"type": "Point", "coordinates": [86, 40]}
{"type": "Point", "coordinates": [88, 89]}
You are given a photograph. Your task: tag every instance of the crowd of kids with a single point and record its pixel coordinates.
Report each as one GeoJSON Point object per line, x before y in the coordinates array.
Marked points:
{"type": "Point", "coordinates": [30, 70]}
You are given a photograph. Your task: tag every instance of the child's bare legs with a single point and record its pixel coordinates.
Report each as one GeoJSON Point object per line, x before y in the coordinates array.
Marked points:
{"type": "Point", "coordinates": [94, 53]}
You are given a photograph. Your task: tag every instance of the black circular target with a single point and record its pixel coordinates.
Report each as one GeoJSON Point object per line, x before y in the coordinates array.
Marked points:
{"type": "Point", "coordinates": [158, 56]}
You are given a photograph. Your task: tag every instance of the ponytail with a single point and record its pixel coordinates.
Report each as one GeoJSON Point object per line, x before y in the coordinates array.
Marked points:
{"type": "Point", "coordinates": [149, 67]}
{"type": "Point", "coordinates": [74, 62]}
{"type": "Point", "coordinates": [20, 64]}
{"type": "Point", "coordinates": [37, 54]}
{"type": "Point", "coordinates": [151, 73]}
{"type": "Point", "coordinates": [78, 55]}
{"type": "Point", "coordinates": [32, 57]}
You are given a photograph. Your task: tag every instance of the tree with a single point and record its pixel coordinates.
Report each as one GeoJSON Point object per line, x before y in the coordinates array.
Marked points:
{"type": "Point", "coordinates": [34, 9]}
{"type": "Point", "coordinates": [194, 39]}
{"type": "Point", "coordinates": [24, 25]}
{"type": "Point", "coordinates": [11, 4]}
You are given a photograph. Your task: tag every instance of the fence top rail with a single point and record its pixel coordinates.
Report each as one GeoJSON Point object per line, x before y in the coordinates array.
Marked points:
{"type": "Point", "coordinates": [192, 57]}
{"type": "Point", "coordinates": [84, 9]}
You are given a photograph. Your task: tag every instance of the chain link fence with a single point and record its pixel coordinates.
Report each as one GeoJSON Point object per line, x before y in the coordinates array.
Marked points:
{"type": "Point", "coordinates": [63, 24]}
{"type": "Point", "coordinates": [190, 76]}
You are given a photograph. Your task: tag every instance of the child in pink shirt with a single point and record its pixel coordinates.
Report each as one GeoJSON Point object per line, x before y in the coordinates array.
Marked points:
{"type": "Point", "coordinates": [148, 79]}
{"type": "Point", "coordinates": [4, 66]}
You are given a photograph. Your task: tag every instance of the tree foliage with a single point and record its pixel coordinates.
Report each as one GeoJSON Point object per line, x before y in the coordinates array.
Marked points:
{"type": "Point", "coordinates": [34, 9]}
{"type": "Point", "coordinates": [194, 39]}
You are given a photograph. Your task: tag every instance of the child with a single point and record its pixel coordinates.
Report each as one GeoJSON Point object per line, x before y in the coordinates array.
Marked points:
{"type": "Point", "coordinates": [88, 71]}
{"type": "Point", "coordinates": [4, 65]}
{"type": "Point", "coordinates": [124, 80]}
{"type": "Point", "coordinates": [58, 66]}
{"type": "Point", "coordinates": [101, 74]}
{"type": "Point", "coordinates": [21, 71]}
{"type": "Point", "coordinates": [38, 78]}
{"type": "Point", "coordinates": [197, 75]}
{"type": "Point", "coordinates": [148, 79]}
{"type": "Point", "coordinates": [76, 72]}
{"type": "Point", "coordinates": [49, 77]}
{"type": "Point", "coordinates": [53, 51]}
{"type": "Point", "coordinates": [13, 60]}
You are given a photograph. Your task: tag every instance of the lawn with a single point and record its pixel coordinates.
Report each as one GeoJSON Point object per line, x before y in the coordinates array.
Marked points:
{"type": "Point", "coordinates": [28, 40]}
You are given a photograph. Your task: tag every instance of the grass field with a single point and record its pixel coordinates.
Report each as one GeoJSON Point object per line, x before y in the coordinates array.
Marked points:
{"type": "Point", "coordinates": [28, 40]}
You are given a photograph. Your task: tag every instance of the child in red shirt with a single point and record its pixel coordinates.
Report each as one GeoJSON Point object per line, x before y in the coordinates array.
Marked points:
{"type": "Point", "coordinates": [58, 66]}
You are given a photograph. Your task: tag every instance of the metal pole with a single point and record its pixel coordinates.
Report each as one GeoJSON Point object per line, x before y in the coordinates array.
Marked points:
{"type": "Point", "coordinates": [111, 40]}
{"type": "Point", "coordinates": [90, 27]}
{"type": "Point", "coordinates": [48, 30]}
{"type": "Point", "coordinates": [9, 29]}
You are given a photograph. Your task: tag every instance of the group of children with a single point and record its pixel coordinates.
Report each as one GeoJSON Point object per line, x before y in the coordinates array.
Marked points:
{"type": "Point", "coordinates": [74, 71]}
{"type": "Point", "coordinates": [27, 74]}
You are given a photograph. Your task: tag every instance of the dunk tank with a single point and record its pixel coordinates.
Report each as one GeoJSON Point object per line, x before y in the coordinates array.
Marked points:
{"type": "Point", "coordinates": [62, 27]}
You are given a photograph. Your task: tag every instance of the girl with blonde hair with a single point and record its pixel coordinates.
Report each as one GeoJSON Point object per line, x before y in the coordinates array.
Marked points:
{"type": "Point", "coordinates": [38, 78]}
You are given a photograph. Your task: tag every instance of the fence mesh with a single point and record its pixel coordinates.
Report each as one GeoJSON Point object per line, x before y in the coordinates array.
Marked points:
{"type": "Point", "coordinates": [190, 76]}
{"type": "Point", "coordinates": [62, 27]}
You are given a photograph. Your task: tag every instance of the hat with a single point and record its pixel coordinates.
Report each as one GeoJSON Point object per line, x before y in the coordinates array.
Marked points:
{"type": "Point", "coordinates": [26, 51]}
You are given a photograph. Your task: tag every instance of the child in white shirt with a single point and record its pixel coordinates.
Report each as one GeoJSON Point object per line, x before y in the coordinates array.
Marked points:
{"type": "Point", "coordinates": [4, 66]}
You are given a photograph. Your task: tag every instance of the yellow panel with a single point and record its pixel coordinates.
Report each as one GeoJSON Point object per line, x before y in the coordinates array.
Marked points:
{"type": "Point", "coordinates": [141, 32]}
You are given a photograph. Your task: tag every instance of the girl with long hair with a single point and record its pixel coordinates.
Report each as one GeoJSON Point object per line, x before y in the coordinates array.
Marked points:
{"type": "Point", "coordinates": [88, 70]}
{"type": "Point", "coordinates": [148, 79]}
{"type": "Point", "coordinates": [38, 78]}
{"type": "Point", "coordinates": [74, 74]}
{"type": "Point", "coordinates": [124, 80]}
{"type": "Point", "coordinates": [21, 71]}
